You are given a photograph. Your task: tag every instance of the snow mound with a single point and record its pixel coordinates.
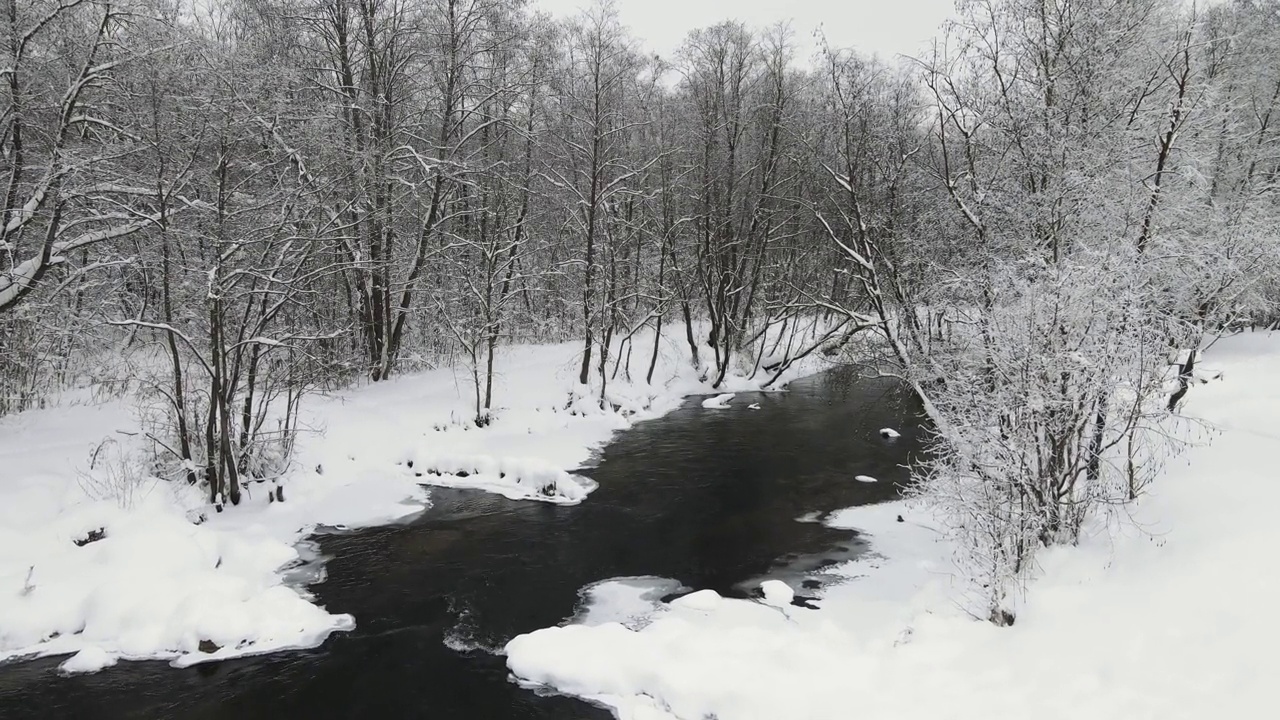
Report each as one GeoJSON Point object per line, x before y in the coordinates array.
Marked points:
{"type": "Point", "coordinates": [719, 402]}
{"type": "Point", "coordinates": [777, 593]}
{"type": "Point", "coordinates": [703, 600]}
{"type": "Point", "coordinates": [513, 478]}
{"type": "Point", "coordinates": [865, 478]}
{"type": "Point", "coordinates": [90, 659]}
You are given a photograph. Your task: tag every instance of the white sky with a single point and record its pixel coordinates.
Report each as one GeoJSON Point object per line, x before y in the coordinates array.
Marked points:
{"type": "Point", "coordinates": [885, 27]}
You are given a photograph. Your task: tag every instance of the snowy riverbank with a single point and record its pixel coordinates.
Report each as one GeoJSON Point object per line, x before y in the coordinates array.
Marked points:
{"type": "Point", "coordinates": [1171, 617]}
{"type": "Point", "coordinates": [104, 564]}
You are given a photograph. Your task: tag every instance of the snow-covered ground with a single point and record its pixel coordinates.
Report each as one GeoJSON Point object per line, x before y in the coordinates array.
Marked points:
{"type": "Point", "coordinates": [1172, 615]}
{"type": "Point", "coordinates": [100, 562]}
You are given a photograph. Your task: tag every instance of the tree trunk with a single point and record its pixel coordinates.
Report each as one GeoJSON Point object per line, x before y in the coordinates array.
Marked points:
{"type": "Point", "coordinates": [1185, 372]}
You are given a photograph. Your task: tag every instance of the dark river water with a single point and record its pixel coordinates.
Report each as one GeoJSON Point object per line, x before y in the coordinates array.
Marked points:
{"type": "Point", "coordinates": [710, 498]}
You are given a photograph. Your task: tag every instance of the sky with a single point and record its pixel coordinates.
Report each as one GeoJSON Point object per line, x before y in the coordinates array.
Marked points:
{"type": "Point", "coordinates": [884, 27]}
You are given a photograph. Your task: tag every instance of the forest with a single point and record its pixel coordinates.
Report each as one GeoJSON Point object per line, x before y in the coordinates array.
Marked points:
{"type": "Point", "coordinates": [1036, 224]}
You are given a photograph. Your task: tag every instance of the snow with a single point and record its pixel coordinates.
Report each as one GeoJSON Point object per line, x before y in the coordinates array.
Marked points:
{"type": "Point", "coordinates": [105, 581]}
{"type": "Point", "coordinates": [129, 576]}
{"type": "Point", "coordinates": [719, 402]}
{"type": "Point", "coordinates": [513, 478]}
{"type": "Point", "coordinates": [1169, 614]}
{"type": "Point", "coordinates": [103, 563]}
{"type": "Point", "coordinates": [90, 659]}
{"type": "Point", "coordinates": [703, 600]}
{"type": "Point", "coordinates": [865, 478]}
{"type": "Point", "coordinates": [777, 593]}
{"type": "Point", "coordinates": [889, 433]}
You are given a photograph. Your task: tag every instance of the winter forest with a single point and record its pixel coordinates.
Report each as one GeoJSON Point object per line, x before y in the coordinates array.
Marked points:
{"type": "Point", "coordinates": [222, 210]}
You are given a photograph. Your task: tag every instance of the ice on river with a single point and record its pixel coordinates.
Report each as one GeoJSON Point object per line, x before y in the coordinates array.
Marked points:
{"type": "Point", "coordinates": [514, 478]}
{"type": "Point", "coordinates": [630, 601]}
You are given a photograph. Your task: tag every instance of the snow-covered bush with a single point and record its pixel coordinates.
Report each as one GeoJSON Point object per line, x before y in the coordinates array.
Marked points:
{"type": "Point", "coordinates": [1038, 422]}
{"type": "Point", "coordinates": [113, 473]}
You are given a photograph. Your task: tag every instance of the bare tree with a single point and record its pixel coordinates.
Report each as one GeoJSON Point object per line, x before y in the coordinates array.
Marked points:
{"type": "Point", "coordinates": [589, 164]}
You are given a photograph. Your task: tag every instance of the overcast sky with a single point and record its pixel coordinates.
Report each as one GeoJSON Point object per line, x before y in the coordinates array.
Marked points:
{"type": "Point", "coordinates": [886, 27]}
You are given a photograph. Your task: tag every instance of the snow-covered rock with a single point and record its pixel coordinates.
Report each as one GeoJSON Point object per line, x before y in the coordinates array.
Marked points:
{"type": "Point", "coordinates": [865, 478]}
{"type": "Point", "coordinates": [777, 593]}
{"type": "Point", "coordinates": [719, 402]}
{"type": "Point", "coordinates": [704, 600]}
{"type": "Point", "coordinates": [90, 659]}
{"type": "Point", "coordinates": [889, 433]}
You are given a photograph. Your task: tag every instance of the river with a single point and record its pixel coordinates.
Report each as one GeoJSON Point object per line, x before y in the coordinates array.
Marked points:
{"type": "Point", "coordinates": [710, 498]}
